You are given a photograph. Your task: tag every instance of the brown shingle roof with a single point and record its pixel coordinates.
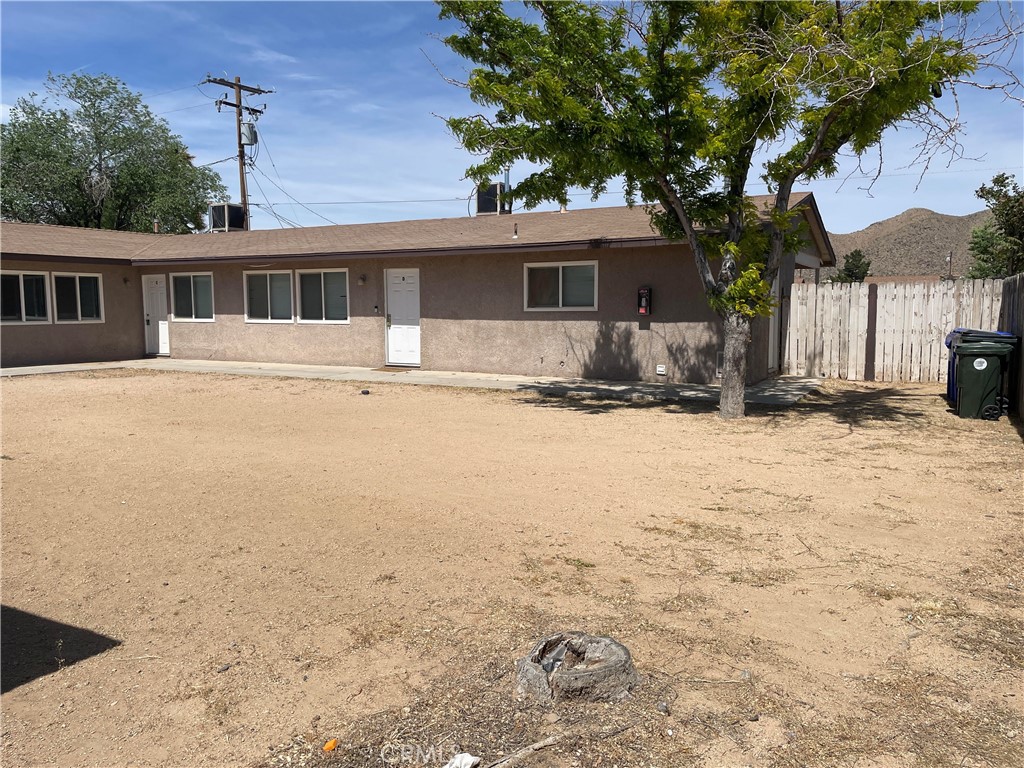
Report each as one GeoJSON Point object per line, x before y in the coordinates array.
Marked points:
{"type": "Point", "coordinates": [17, 239]}
{"type": "Point", "coordinates": [521, 231]}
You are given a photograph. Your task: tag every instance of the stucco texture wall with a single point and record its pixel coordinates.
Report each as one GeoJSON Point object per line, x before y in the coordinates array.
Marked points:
{"type": "Point", "coordinates": [483, 320]}
{"type": "Point", "coordinates": [230, 337]}
{"type": "Point", "coordinates": [472, 319]}
{"type": "Point", "coordinates": [119, 337]}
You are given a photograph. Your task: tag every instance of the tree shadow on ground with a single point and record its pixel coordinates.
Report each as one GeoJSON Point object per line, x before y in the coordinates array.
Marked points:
{"type": "Point", "coordinates": [858, 408]}
{"type": "Point", "coordinates": [597, 401]}
{"type": "Point", "coordinates": [32, 646]}
{"type": "Point", "coordinates": [855, 407]}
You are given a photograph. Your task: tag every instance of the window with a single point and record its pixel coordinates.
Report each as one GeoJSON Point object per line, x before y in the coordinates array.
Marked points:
{"type": "Point", "coordinates": [192, 296]}
{"type": "Point", "coordinates": [77, 298]}
{"type": "Point", "coordinates": [24, 297]}
{"type": "Point", "coordinates": [570, 285]}
{"type": "Point", "coordinates": [323, 296]}
{"type": "Point", "coordinates": [268, 296]}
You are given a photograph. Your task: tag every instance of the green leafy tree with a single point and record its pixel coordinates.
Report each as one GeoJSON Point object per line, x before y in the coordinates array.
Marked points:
{"type": "Point", "coordinates": [684, 101]}
{"type": "Point", "coordinates": [97, 157]}
{"type": "Point", "coordinates": [855, 268]}
{"type": "Point", "coordinates": [998, 244]}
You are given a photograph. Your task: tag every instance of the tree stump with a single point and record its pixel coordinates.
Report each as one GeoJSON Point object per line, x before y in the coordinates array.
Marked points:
{"type": "Point", "coordinates": [575, 665]}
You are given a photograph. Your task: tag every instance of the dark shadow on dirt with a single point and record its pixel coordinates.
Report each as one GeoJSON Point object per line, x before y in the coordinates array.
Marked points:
{"type": "Point", "coordinates": [32, 646]}
{"type": "Point", "coordinates": [598, 402]}
{"type": "Point", "coordinates": [855, 408]}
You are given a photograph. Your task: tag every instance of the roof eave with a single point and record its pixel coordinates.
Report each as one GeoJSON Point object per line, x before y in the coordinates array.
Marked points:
{"type": "Point", "coordinates": [125, 261]}
{"type": "Point", "coordinates": [590, 244]}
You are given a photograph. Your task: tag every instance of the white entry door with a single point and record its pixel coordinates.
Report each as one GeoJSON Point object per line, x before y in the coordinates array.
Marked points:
{"type": "Point", "coordinates": [403, 316]}
{"type": "Point", "coordinates": [154, 306]}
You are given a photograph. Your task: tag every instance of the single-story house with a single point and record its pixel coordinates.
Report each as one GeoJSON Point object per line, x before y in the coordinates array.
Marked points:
{"type": "Point", "coordinates": [538, 294]}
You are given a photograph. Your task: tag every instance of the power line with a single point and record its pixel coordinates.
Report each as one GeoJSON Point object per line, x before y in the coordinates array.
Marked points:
{"type": "Point", "coordinates": [303, 205]}
{"type": "Point", "coordinates": [223, 160]}
{"type": "Point", "coordinates": [385, 202]}
{"type": "Point", "coordinates": [164, 93]}
{"type": "Point", "coordinates": [180, 109]}
{"type": "Point", "coordinates": [281, 220]}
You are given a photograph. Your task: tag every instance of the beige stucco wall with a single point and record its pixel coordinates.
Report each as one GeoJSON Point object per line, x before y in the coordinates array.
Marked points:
{"type": "Point", "coordinates": [119, 337]}
{"type": "Point", "coordinates": [230, 337]}
{"type": "Point", "coordinates": [473, 319]}
{"type": "Point", "coordinates": [486, 320]}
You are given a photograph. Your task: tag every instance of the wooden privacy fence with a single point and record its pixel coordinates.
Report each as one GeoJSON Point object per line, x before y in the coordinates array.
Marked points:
{"type": "Point", "coordinates": [884, 332]}
{"type": "Point", "coordinates": [1011, 319]}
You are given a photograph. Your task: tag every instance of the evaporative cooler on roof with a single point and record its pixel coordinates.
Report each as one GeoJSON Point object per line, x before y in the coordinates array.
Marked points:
{"type": "Point", "coordinates": [226, 217]}
{"type": "Point", "coordinates": [492, 199]}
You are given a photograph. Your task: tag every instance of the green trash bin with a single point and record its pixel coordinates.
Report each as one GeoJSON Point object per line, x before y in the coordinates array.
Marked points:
{"type": "Point", "coordinates": [981, 368]}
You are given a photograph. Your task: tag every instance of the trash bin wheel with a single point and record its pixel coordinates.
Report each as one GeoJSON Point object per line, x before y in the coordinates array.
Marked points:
{"type": "Point", "coordinates": [992, 412]}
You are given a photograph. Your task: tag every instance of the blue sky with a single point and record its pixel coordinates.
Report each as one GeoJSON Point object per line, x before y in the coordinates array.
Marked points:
{"type": "Point", "coordinates": [353, 116]}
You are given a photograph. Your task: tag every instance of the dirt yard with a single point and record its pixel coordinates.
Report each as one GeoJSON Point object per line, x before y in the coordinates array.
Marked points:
{"type": "Point", "coordinates": [268, 564]}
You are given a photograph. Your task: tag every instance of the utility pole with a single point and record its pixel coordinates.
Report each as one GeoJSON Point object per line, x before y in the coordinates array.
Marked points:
{"type": "Point", "coordinates": [239, 107]}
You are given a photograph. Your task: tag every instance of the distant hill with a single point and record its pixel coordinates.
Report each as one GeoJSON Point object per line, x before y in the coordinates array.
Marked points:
{"type": "Point", "coordinates": [914, 243]}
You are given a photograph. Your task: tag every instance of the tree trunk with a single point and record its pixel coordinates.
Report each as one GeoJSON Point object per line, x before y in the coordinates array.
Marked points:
{"type": "Point", "coordinates": [734, 366]}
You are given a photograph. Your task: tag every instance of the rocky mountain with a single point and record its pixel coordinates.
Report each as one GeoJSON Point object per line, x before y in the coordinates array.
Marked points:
{"type": "Point", "coordinates": [914, 243]}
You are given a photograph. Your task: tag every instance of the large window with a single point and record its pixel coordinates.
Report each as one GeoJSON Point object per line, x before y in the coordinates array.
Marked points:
{"type": "Point", "coordinates": [24, 297]}
{"type": "Point", "coordinates": [268, 296]}
{"type": "Point", "coordinates": [192, 296]}
{"type": "Point", "coordinates": [323, 296]}
{"type": "Point", "coordinates": [571, 285]}
{"type": "Point", "coordinates": [77, 298]}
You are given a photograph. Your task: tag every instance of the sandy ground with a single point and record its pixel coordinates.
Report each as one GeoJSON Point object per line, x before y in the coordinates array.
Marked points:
{"type": "Point", "coordinates": [282, 562]}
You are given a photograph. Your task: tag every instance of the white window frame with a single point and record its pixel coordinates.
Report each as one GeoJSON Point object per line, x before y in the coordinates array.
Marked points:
{"type": "Point", "coordinates": [21, 287]}
{"type": "Point", "coordinates": [291, 292]}
{"type": "Point", "coordinates": [298, 296]}
{"type": "Point", "coordinates": [78, 298]}
{"type": "Point", "coordinates": [213, 301]}
{"type": "Point", "coordinates": [559, 264]}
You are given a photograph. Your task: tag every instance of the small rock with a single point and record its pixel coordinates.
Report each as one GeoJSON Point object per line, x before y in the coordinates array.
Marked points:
{"type": "Point", "coordinates": [223, 668]}
{"type": "Point", "coordinates": [754, 717]}
{"type": "Point", "coordinates": [551, 718]}
{"type": "Point", "coordinates": [364, 392]}
{"type": "Point", "coordinates": [663, 708]}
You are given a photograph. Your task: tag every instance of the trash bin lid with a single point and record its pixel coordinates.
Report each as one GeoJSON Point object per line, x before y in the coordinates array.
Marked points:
{"type": "Point", "coordinates": [989, 348]}
{"type": "Point", "coordinates": [969, 334]}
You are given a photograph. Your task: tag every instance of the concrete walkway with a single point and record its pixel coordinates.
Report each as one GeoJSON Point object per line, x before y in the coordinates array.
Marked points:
{"type": "Point", "coordinates": [781, 391]}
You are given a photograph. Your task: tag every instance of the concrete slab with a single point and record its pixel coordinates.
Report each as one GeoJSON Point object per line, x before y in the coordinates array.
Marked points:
{"type": "Point", "coordinates": [780, 391]}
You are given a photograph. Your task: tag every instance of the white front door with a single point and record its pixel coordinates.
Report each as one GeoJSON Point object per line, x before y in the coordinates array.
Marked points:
{"type": "Point", "coordinates": [403, 316]}
{"type": "Point", "coordinates": [154, 306]}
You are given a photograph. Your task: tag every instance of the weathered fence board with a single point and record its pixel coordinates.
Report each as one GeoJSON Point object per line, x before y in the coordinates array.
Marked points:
{"type": "Point", "coordinates": [1011, 319]}
{"type": "Point", "coordinates": [890, 331]}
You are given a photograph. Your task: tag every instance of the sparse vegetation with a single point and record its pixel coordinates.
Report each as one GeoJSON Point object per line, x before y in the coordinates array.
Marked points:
{"type": "Point", "coordinates": [855, 268]}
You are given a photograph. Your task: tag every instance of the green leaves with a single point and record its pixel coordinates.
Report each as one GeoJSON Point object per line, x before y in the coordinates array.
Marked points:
{"type": "Point", "coordinates": [998, 245]}
{"type": "Point", "coordinates": [91, 154]}
{"type": "Point", "coordinates": [684, 101]}
{"type": "Point", "coordinates": [855, 268]}
{"type": "Point", "coordinates": [749, 295]}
